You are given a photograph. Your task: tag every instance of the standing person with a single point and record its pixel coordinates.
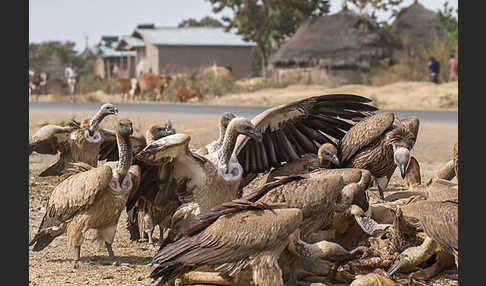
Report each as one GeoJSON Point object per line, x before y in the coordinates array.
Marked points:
{"type": "Point", "coordinates": [434, 68]}
{"type": "Point", "coordinates": [453, 63]}
{"type": "Point", "coordinates": [70, 75]}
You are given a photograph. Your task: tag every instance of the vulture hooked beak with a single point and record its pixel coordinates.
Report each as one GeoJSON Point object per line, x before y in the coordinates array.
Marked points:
{"type": "Point", "coordinates": [401, 156]}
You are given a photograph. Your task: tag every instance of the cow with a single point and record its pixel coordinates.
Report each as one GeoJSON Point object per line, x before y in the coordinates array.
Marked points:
{"type": "Point", "coordinates": [186, 93]}
{"type": "Point", "coordinates": [129, 87]}
{"type": "Point", "coordinates": [154, 82]}
{"type": "Point", "coordinates": [37, 83]}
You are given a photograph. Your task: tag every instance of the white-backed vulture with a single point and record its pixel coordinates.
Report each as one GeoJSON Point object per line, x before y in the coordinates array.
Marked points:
{"type": "Point", "coordinates": [224, 120]}
{"type": "Point", "coordinates": [289, 131]}
{"type": "Point", "coordinates": [449, 171]}
{"type": "Point", "coordinates": [109, 147]}
{"type": "Point", "coordinates": [234, 236]}
{"type": "Point", "coordinates": [83, 144]}
{"type": "Point", "coordinates": [92, 199]}
{"type": "Point", "coordinates": [439, 219]}
{"type": "Point", "coordinates": [379, 143]}
{"type": "Point", "coordinates": [48, 138]}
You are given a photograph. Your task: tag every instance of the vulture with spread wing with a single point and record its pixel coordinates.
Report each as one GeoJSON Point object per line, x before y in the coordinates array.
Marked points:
{"type": "Point", "coordinates": [82, 144]}
{"type": "Point", "coordinates": [276, 136]}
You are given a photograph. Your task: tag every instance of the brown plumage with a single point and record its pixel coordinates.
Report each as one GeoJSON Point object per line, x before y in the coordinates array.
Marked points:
{"type": "Point", "coordinates": [412, 175]}
{"type": "Point", "coordinates": [49, 138]}
{"type": "Point", "coordinates": [91, 199]}
{"type": "Point", "coordinates": [372, 279]}
{"type": "Point", "coordinates": [455, 157]}
{"type": "Point", "coordinates": [439, 220]}
{"type": "Point", "coordinates": [378, 143]}
{"type": "Point", "coordinates": [230, 238]}
{"type": "Point", "coordinates": [318, 194]}
{"type": "Point", "coordinates": [109, 147]}
{"type": "Point", "coordinates": [136, 224]}
{"type": "Point", "coordinates": [82, 144]}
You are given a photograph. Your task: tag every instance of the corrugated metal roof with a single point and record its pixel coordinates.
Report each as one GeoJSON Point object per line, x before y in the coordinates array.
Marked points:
{"type": "Point", "coordinates": [111, 52]}
{"type": "Point", "coordinates": [132, 42]}
{"type": "Point", "coordinates": [192, 36]}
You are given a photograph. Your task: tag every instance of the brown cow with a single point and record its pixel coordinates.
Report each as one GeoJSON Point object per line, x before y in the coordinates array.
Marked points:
{"type": "Point", "coordinates": [37, 83]}
{"type": "Point", "coordinates": [186, 93]}
{"type": "Point", "coordinates": [128, 87]}
{"type": "Point", "coordinates": [153, 82]}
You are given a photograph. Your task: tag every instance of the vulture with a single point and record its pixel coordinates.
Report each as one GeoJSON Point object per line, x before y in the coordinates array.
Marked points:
{"type": "Point", "coordinates": [82, 144]}
{"type": "Point", "coordinates": [278, 135]}
{"type": "Point", "coordinates": [224, 120]}
{"type": "Point", "coordinates": [109, 147]}
{"type": "Point", "coordinates": [379, 143]}
{"type": "Point", "coordinates": [92, 199]}
{"type": "Point", "coordinates": [49, 138]}
{"type": "Point", "coordinates": [235, 236]}
{"type": "Point", "coordinates": [449, 171]}
{"type": "Point", "coordinates": [439, 220]}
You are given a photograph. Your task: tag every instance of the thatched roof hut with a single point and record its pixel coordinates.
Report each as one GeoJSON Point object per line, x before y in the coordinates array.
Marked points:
{"type": "Point", "coordinates": [345, 41]}
{"type": "Point", "coordinates": [417, 26]}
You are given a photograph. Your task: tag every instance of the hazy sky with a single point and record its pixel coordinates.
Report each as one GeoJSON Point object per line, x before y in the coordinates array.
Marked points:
{"type": "Point", "coordinates": [64, 20]}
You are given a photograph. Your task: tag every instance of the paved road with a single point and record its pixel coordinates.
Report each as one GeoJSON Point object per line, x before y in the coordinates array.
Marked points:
{"type": "Point", "coordinates": [423, 115]}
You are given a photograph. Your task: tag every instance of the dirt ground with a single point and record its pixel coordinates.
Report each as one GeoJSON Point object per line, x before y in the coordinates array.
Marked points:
{"type": "Point", "coordinates": [400, 95]}
{"type": "Point", "coordinates": [54, 265]}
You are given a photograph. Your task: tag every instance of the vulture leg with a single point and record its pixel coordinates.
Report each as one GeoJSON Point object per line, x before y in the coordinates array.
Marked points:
{"type": "Point", "coordinates": [382, 182]}
{"type": "Point", "coordinates": [110, 250]}
{"type": "Point", "coordinates": [443, 261]}
{"type": "Point", "coordinates": [132, 224]}
{"type": "Point", "coordinates": [77, 252]}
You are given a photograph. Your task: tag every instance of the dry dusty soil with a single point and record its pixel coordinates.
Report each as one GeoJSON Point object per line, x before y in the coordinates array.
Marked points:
{"type": "Point", "coordinates": [54, 266]}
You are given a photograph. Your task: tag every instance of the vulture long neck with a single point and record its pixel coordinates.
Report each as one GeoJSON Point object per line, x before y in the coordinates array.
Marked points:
{"type": "Point", "coordinates": [228, 147]}
{"type": "Point", "coordinates": [222, 132]}
{"type": "Point", "coordinates": [96, 120]}
{"type": "Point", "coordinates": [124, 154]}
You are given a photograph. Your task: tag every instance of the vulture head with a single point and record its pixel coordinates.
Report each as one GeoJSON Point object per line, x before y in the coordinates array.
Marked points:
{"type": "Point", "coordinates": [105, 110]}
{"type": "Point", "coordinates": [157, 131]}
{"type": "Point", "coordinates": [226, 118]}
{"type": "Point", "coordinates": [328, 153]}
{"type": "Point", "coordinates": [402, 142]}
{"type": "Point", "coordinates": [244, 126]}
{"type": "Point", "coordinates": [401, 156]}
{"type": "Point", "coordinates": [124, 127]}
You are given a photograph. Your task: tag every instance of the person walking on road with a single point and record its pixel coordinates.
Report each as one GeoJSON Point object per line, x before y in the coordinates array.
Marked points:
{"type": "Point", "coordinates": [434, 68]}
{"type": "Point", "coordinates": [70, 75]}
{"type": "Point", "coordinates": [453, 63]}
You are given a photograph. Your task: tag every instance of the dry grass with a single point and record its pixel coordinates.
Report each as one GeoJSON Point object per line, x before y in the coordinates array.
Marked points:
{"type": "Point", "coordinates": [400, 95]}
{"type": "Point", "coordinates": [53, 265]}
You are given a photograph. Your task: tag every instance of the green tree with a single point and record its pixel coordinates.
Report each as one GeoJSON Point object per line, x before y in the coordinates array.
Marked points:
{"type": "Point", "coordinates": [262, 21]}
{"type": "Point", "coordinates": [383, 5]}
{"type": "Point", "coordinates": [451, 23]}
{"type": "Point", "coordinates": [204, 22]}
{"type": "Point", "coordinates": [39, 53]}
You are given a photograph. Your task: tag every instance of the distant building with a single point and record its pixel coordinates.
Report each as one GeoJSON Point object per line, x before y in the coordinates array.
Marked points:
{"type": "Point", "coordinates": [171, 49]}
{"type": "Point", "coordinates": [110, 62]}
{"type": "Point", "coordinates": [332, 49]}
{"type": "Point", "coordinates": [417, 26]}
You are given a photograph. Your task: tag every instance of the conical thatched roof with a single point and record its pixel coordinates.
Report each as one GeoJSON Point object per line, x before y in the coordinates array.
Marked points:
{"type": "Point", "coordinates": [342, 40]}
{"type": "Point", "coordinates": [417, 25]}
